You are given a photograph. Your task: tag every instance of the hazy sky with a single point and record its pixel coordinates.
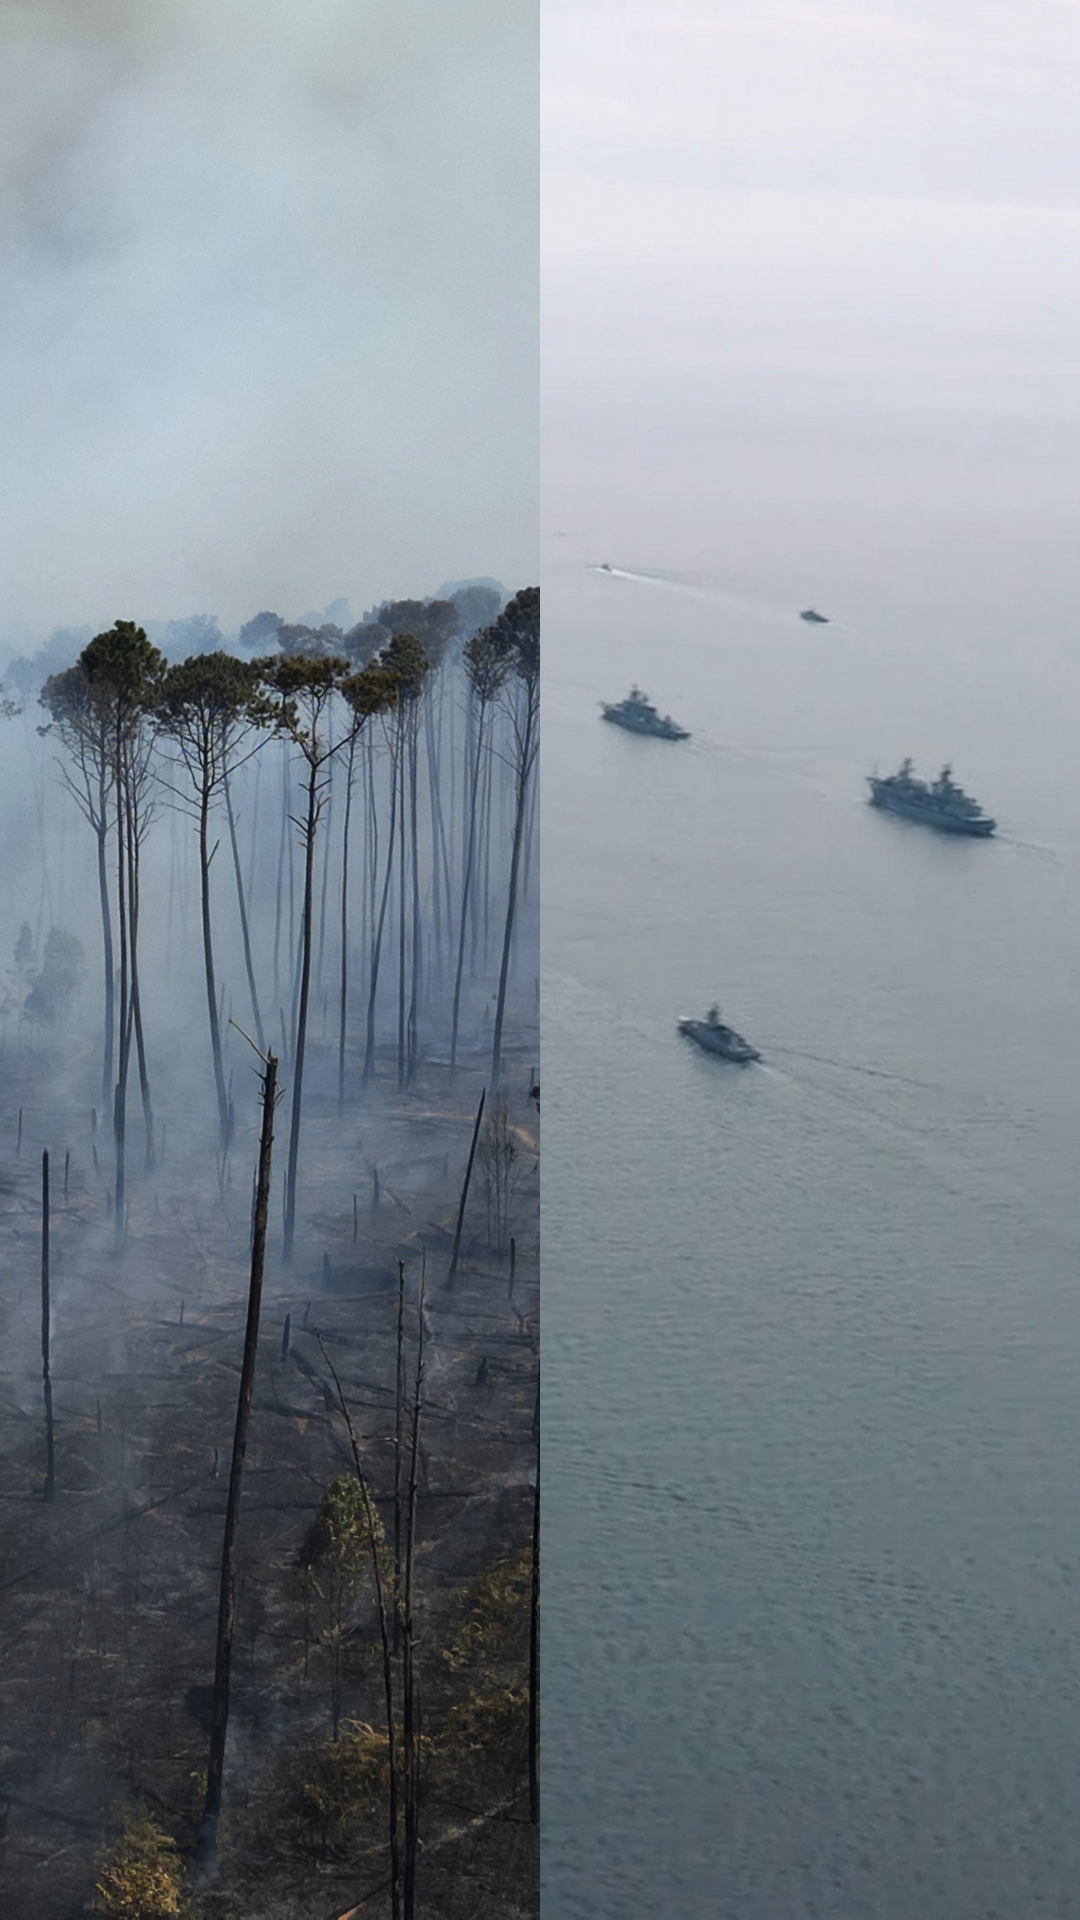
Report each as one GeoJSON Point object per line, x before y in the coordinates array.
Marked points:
{"type": "Point", "coordinates": [268, 326]}
{"type": "Point", "coordinates": [856, 226]}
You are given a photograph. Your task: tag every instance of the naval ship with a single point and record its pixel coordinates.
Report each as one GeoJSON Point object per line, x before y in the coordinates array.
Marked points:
{"type": "Point", "coordinates": [943, 805]}
{"type": "Point", "coordinates": [712, 1034]}
{"type": "Point", "coordinates": [638, 715]}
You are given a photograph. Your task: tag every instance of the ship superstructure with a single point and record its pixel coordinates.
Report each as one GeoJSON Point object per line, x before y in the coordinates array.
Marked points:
{"type": "Point", "coordinates": [638, 715]}
{"type": "Point", "coordinates": [940, 803]}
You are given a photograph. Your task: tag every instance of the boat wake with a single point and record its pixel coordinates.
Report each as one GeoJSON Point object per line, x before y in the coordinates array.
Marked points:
{"type": "Point", "coordinates": [854, 1066]}
{"type": "Point", "coordinates": [750, 605]}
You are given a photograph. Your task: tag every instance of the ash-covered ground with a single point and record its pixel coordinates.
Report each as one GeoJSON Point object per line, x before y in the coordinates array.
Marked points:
{"type": "Point", "coordinates": [109, 1592]}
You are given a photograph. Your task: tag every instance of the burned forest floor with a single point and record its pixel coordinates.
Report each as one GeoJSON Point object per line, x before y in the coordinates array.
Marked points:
{"type": "Point", "coordinates": [109, 1591]}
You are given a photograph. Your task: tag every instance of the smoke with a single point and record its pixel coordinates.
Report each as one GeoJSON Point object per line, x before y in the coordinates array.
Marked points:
{"type": "Point", "coordinates": [268, 332]}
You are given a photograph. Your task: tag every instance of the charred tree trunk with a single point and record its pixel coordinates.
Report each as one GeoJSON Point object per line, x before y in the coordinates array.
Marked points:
{"type": "Point", "coordinates": [281, 878]}
{"type": "Point", "coordinates": [242, 903]}
{"type": "Point", "coordinates": [465, 1191]}
{"type": "Point", "coordinates": [466, 882]}
{"type": "Point", "coordinates": [402, 895]}
{"type": "Point", "coordinates": [120, 1091]}
{"type": "Point", "coordinates": [534, 1637]}
{"type": "Point", "coordinates": [409, 1704]}
{"type": "Point", "coordinates": [205, 857]}
{"type": "Point", "coordinates": [376, 951]}
{"type": "Point", "coordinates": [102, 831]}
{"type": "Point", "coordinates": [526, 753]}
{"type": "Point", "coordinates": [399, 1421]}
{"type": "Point", "coordinates": [326, 858]}
{"type": "Point", "coordinates": [133, 839]}
{"type": "Point", "coordinates": [310, 825]}
{"type": "Point", "coordinates": [50, 1439]}
{"type": "Point", "coordinates": [414, 997]}
{"type": "Point", "coordinates": [343, 990]}
{"type": "Point", "coordinates": [206, 1843]}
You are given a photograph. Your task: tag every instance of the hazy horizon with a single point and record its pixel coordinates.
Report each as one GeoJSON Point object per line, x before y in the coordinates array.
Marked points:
{"type": "Point", "coordinates": [269, 335]}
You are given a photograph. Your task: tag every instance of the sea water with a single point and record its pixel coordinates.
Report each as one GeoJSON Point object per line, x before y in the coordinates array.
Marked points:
{"type": "Point", "coordinates": [812, 1328]}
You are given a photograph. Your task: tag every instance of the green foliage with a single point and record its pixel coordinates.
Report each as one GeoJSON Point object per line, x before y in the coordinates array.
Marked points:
{"type": "Point", "coordinates": [371, 690]}
{"type": "Point", "coordinates": [80, 709]}
{"type": "Point", "coordinates": [350, 1778]}
{"type": "Point", "coordinates": [302, 687]}
{"type": "Point", "coordinates": [406, 659]}
{"type": "Point", "coordinates": [492, 1721]}
{"type": "Point", "coordinates": [339, 1540]}
{"type": "Point", "coordinates": [432, 623]}
{"type": "Point", "coordinates": [498, 1619]}
{"type": "Point", "coordinates": [516, 634]}
{"type": "Point", "coordinates": [212, 688]}
{"type": "Point", "coordinates": [123, 667]}
{"type": "Point", "coordinates": [489, 1653]}
{"type": "Point", "coordinates": [205, 705]}
{"type": "Point", "coordinates": [486, 664]}
{"type": "Point", "coordinates": [141, 1878]}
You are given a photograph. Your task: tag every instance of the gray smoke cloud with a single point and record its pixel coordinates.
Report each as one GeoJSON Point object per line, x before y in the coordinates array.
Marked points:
{"type": "Point", "coordinates": [268, 331]}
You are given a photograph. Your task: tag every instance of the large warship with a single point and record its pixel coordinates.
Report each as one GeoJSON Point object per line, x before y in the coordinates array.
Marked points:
{"type": "Point", "coordinates": [638, 715]}
{"type": "Point", "coordinates": [712, 1034]}
{"type": "Point", "coordinates": [942, 804]}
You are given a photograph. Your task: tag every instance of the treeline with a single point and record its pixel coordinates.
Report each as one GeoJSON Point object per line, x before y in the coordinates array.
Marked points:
{"type": "Point", "coordinates": [419, 726]}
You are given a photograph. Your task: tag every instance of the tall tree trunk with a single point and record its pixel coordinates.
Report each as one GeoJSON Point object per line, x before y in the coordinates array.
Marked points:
{"type": "Point", "coordinates": [306, 930]}
{"type": "Point", "coordinates": [414, 997]}
{"type": "Point", "coordinates": [134, 838]}
{"type": "Point", "coordinates": [399, 1459]}
{"type": "Point", "coordinates": [46, 1315]}
{"type": "Point", "coordinates": [402, 896]}
{"type": "Point", "coordinates": [524, 773]}
{"type": "Point", "coordinates": [465, 1191]}
{"type": "Point", "coordinates": [466, 881]}
{"type": "Point", "coordinates": [120, 1091]}
{"type": "Point", "coordinates": [281, 878]}
{"type": "Point", "coordinates": [344, 982]}
{"type": "Point", "coordinates": [102, 831]}
{"type": "Point", "coordinates": [439, 851]}
{"type": "Point", "coordinates": [409, 1713]}
{"type": "Point", "coordinates": [242, 903]}
{"type": "Point", "coordinates": [326, 856]}
{"type": "Point", "coordinates": [206, 1843]}
{"type": "Point", "coordinates": [489, 783]}
{"type": "Point", "coordinates": [205, 857]}
{"type": "Point", "coordinates": [534, 1636]}
{"type": "Point", "coordinates": [376, 951]}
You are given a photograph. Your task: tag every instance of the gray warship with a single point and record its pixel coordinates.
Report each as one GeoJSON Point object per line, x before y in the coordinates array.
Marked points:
{"type": "Point", "coordinates": [638, 715]}
{"type": "Point", "coordinates": [942, 804]}
{"type": "Point", "coordinates": [712, 1034]}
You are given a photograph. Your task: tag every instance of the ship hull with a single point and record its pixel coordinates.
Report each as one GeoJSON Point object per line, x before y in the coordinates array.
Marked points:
{"type": "Point", "coordinates": [970, 829]}
{"type": "Point", "coordinates": [646, 733]}
{"type": "Point", "coordinates": [723, 1041]}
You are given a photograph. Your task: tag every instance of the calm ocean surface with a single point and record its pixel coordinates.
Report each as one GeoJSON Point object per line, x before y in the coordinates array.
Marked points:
{"type": "Point", "coordinates": [812, 1329]}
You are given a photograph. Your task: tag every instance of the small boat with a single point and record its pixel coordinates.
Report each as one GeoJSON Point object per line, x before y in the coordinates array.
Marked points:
{"type": "Point", "coordinates": [716, 1037]}
{"type": "Point", "coordinates": [813, 618]}
{"type": "Point", "coordinates": [604, 567]}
